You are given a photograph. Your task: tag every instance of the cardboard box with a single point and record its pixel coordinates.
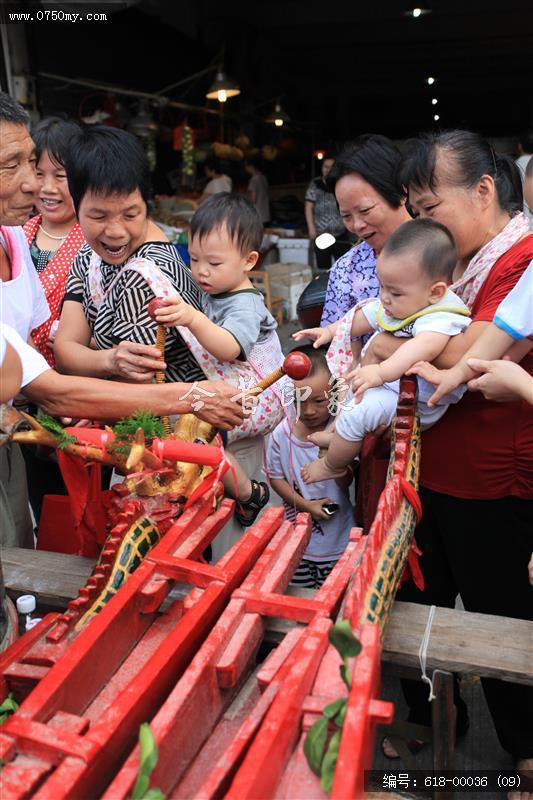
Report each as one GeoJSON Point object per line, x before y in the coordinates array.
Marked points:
{"type": "Point", "coordinates": [288, 281]}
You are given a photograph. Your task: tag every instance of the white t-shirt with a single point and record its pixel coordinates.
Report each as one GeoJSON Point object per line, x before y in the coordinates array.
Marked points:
{"type": "Point", "coordinates": [23, 304]}
{"type": "Point", "coordinates": [286, 455]}
{"type": "Point", "coordinates": [514, 315]}
{"type": "Point", "coordinates": [221, 184]}
{"type": "Point", "coordinates": [33, 364]}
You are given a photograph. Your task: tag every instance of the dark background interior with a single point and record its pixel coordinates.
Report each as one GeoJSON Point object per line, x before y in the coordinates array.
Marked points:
{"type": "Point", "coordinates": [340, 68]}
{"type": "Point", "coordinates": [343, 67]}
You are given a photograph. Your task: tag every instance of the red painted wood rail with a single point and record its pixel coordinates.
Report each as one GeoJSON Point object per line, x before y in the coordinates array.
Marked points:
{"type": "Point", "coordinates": [117, 672]}
{"type": "Point", "coordinates": [180, 664]}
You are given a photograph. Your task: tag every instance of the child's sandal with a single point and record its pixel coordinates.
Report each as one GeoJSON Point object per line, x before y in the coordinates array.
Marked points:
{"type": "Point", "coordinates": [246, 513]}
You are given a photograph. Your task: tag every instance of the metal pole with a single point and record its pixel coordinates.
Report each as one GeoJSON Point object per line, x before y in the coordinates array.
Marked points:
{"type": "Point", "coordinates": [7, 59]}
{"type": "Point", "coordinates": [104, 87]}
{"type": "Point", "coordinates": [186, 80]}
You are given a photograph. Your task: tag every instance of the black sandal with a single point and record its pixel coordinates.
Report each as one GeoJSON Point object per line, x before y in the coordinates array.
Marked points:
{"type": "Point", "coordinates": [246, 513]}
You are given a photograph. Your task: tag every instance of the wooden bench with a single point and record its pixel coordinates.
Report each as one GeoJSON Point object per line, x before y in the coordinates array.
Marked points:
{"type": "Point", "coordinates": [54, 578]}
{"type": "Point", "coordinates": [460, 641]}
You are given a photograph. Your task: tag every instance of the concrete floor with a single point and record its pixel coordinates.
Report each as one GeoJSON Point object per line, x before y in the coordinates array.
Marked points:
{"type": "Point", "coordinates": [478, 750]}
{"type": "Point", "coordinates": [285, 335]}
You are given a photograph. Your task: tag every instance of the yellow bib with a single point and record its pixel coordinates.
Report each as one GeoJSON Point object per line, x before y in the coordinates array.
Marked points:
{"type": "Point", "coordinates": [397, 326]}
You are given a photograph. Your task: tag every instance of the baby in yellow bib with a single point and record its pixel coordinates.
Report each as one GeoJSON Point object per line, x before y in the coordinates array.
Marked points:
{"type": "Point", "coordinates": [415, 271]}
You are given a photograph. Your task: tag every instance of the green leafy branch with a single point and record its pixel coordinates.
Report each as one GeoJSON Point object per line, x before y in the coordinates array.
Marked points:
{"type": "Point", "coordinates": [126, 428]}
{"type": "Point", "coordinates": [53, 426]}
{"type": "Point", "coordinates": [8, 707]}
{"type": "Point", "coordinates": [148, 760]}
{"type": "Point", "coordinates": [320, 753]}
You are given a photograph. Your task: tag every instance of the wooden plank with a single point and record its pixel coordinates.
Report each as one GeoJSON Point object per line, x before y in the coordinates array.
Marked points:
{"type": "Point", "coordinates": [443, 719]}
{"type": "Point", "coordinates": [461, 641]}
{"type": "Point", "coordinates": [54, 578]}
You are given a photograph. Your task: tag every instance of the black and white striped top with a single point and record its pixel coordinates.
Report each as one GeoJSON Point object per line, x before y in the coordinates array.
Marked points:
{"type": "Point", "coordinates": [123, 315]}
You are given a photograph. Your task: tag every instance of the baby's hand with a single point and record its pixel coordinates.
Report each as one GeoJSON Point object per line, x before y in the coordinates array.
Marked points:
{"type": "Point", "coordinates": [364, 378]}
{"type": "Point", "coordinates": [175, 311]}
{"type": "Point", "coordinates": [318, 336]}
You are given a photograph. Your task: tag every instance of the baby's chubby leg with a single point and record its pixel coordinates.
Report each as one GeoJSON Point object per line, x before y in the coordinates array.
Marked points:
{"type": "Point", "coordinates": [323, 438]}
{"type": "Point", "coordinates": [377, 408]}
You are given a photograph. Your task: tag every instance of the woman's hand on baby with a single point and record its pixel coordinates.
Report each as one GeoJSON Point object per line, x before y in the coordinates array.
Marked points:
{"type": "Point", "coordinates": [134, 362]}
{"type": "Point", "coordinates": [318, 336]}
{"type": "Point", "coordinates": [445, 380]}
{"type": "Point", "coordinates": [175, 311]}
{"type": "Point", "coordinates": [314, 507]}
{"type": "Point", "coordinates": [364, 378]}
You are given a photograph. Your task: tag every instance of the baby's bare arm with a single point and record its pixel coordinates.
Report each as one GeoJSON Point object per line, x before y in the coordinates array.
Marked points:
{"type": "Point", "coordinates": [217, 341]}
{"type": "Point", "coordinates": [360, 324]}
{"type": "Point", "coordinates": [430, 344]}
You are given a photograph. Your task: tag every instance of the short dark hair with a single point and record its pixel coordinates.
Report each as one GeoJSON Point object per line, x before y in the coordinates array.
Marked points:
{"type": "Point", "coordinates": [106, 161]}
{"type": "Point", "coordinates": [254, 161]}
{"type": "Point", "coordinates": [529, 168]}
{"type": "Point", "coordinates": [11, 111]}
{"type": "Point", "coordinates": [234, 213]}
{"type": "Point", "coordinates": [469, 157]}
{"type": "Point", "coordinates": [432, 242]}
{"type": "Point", "coordinates": [526, 140]}
{"type": "Point", "coordinates": [317, 357]}
{"type": "Point", "coordinates": [212, 162]}
{"type": "Point", "coordinates": [54, 135]}
{"type": "Point", "coordinates": [376, 159]}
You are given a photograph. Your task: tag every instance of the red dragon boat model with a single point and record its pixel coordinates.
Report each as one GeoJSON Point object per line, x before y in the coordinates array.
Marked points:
{"type": "Point", "coordinates": [159, 636]}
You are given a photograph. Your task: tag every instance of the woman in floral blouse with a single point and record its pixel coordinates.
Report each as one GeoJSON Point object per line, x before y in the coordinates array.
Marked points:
{"type": "Point", "coordinates": [372, 205]}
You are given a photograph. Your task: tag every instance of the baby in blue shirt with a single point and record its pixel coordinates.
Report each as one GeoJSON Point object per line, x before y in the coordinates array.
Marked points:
{"type": "Point", "coordinates": [234, 324]}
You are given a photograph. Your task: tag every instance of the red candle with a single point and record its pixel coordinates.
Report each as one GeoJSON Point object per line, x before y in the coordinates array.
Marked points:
{"type": "Point", "coordinates": [178, 450]}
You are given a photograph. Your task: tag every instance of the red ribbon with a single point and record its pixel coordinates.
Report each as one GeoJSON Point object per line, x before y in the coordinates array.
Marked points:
{"type": "Point", "coordinates": [412, 569]}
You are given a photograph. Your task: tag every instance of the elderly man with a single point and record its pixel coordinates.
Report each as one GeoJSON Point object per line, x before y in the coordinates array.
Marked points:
{"type": "Point", "coordinates": [22, 301]}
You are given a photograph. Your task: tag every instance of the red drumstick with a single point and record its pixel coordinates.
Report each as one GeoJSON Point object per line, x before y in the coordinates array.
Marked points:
{"type": "Point", "coordinates": [296, 365]}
